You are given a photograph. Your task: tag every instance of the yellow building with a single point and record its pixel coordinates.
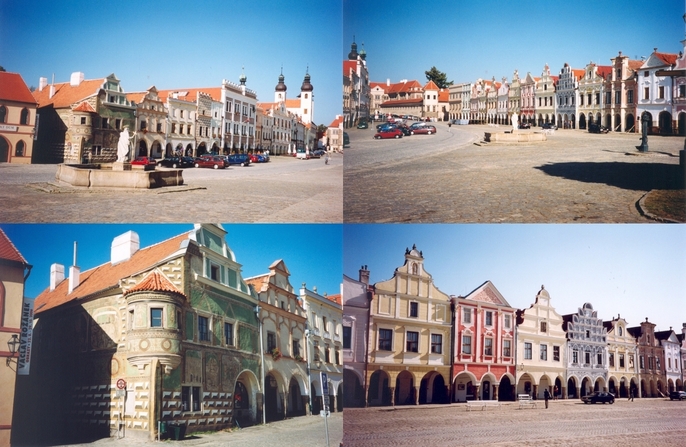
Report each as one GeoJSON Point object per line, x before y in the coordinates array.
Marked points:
{"type": "Point", "coordinates": [13, 272]}
{"type": "Point", "coordinates": [621, 359]}
{"type": "Point", "coordinates": [409, 357]}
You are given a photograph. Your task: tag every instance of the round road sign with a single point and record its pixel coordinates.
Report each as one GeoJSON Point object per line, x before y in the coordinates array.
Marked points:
{"type": "Point", "coordinates": [121, 384]}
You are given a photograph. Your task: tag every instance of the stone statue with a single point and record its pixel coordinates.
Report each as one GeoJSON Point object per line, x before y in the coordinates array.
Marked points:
{"type": "Point", "coordinates": [515, 121]}
{"type": "Point", "coordinates": [123, 144]}
{"type": "Point", "coordinates": [644, 135]}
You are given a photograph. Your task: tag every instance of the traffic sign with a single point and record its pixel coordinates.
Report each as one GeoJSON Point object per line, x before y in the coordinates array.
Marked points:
{"type": "Point", "coordinates": [121, 384]}
{"type": "Point", "coordinates": [324, 414]}
{"type": "Point", "coordinates": [325, 383]}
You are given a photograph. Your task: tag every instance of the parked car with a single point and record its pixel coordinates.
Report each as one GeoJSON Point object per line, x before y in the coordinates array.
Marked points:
{"type": "Point", "coordinates": [385, 126]}
{"type": "Point", "coordinates": [416, 125]}
{"type": "Point", "coordinates": [148, 163]}
{"type": "Point", "coordinates": [598, 396]}
{"type": "Point", "coordinates": [363, 125]}
{"type": "Point", "coordinates": [597, 128]}
{"type": "Point", "coordinates": [302, 154]}
{"type": "Point", "coordinates": [346, 140]}
{"type": "Point", "coordinates": [238, 159]}
{"type": "Point", "coordinates": [389, 133]}
{"type": "Point", "coordinates": [210, 161]}
{"type": "Point", "coordinates": [681, 395]}
{"type": "Point", "coordinates": [318, 153]}
{"type": "Point", "coordinates": [405, 130]}
{"type": "Point", "coordinates": [524, 125]}
{"type": "Point", "coordinates": [428, 130]}
{"type": "Point", "coordinates": [549, 126]}
{"type": "Point", "coordinates": [177, 162]}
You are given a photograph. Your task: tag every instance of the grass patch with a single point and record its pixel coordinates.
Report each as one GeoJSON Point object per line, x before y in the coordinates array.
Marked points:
{"type": "Point", "coordinates": [668, 204]}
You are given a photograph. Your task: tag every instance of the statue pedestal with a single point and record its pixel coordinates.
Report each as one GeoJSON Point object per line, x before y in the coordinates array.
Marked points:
{"type": "Point", "coordinates": [121, 166]}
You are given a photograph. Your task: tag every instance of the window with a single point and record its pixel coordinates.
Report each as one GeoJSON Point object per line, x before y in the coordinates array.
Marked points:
{"type": "Point", "coordinates": [646, 74]}
{"type": "Point", "coordinates": [412, 344]}
{"type": "Point", "coordinates": [544, 352]}
{"type": "Point", "coordinates": [467, 316]}
{"type": "Point", "coordinates": [117, 124]}
{"type": "Point", "coordinates": [527, 351]}
{"type": "Point", "coordinates": [661, 92]}
{"type": "Point", "coordinates": [611, 358]}
{"type": "Point", "coordinates": [338, 356]}
{"type": "Point", "coordinates": [296, 347]}
{"type": "Point", "coordinates": [488, 346]}
{"type": "Point", "coordinates": [156, 317]}
{"type": "Point", "coordinates": [159, 127]}
{"type": "Point", "coordinates": [83, 120]}
{"type": "Point", "coordinates": [629, 100]}
{"type": "Point", "coordinates": [642, 363]}
{"type": "Point", "coordinates": [621, 360]}
{"type": "Point", "coordinates": [347, 337]}
{"type": "Point", "coordinates": [587, 358]}
{"type": "Point", "coordinates": [325, 327]}
{"type": "Point", "coordinates": [646, 92]}
{"type": "Point", "coordinates": [214, 272]}
{"type": "Point", "coordinates": [228, 334]}
{"type": "Point", "coordinates": [3, 114]}
{"type": "Point", "coordinates": [575, 357]}
{"type": "Point", "coordinates": [414, 309]}
{"type": "Point", "coordinates": [466, 344]}
{"type": "Point", "coordinates": [315, 350]}
{"type": "Point", "coordinates": [385, 339]}
{"type": "Point", "coordinates": [190, 398]}
{"type": "Point", "coordinates": [507, 348]}
{"type": "Point", "coordinates": [508, 321]}
{"type": "Point", "coordinates": [327, 353]}
{"type": "Point", "coordinates": [682, 91]}
{"type": "Point", "coordinates": [489, 318]}
{"type": "Point", "coordinates": [544, 326]}
{"type": "Point", "coordinates": [105, 123]}
{"type": "Point", "coordinates": [608, 97]}
{"type": "Point", "coordinates": [203, 329]}
{"type": "Point", "coordinates": [618, 97]}
{"type": "Point", "coordinates": [19, 150]}
{"type": "Point", "coordinates": [556, 353]}
{"type": "Point", "coordinates": [588, 335]}
{"type": "Point", "coordinates": [271, 341]}
{"type": "Point", "coordinates": [657, 363]}
{"type": "Point", "coordinates": [436, 344]}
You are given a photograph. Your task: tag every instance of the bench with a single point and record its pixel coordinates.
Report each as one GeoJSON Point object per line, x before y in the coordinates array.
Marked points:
{"type": "Point", "coordinates": [483, 404]}
{"type": "Point", "coordinates": [525, 400]}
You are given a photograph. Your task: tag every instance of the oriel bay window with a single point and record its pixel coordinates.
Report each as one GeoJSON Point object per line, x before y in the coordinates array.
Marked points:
{"type": "Point", "coordinates": [412, 344]}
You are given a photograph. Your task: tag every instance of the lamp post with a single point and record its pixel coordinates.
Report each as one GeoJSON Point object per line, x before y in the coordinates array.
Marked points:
{"type": "Point", "coordinates": [12, 344]}
{"type": "Point", "coordinates": [258, 309]}
{"type": "Point", "coordinates": [309, 377]}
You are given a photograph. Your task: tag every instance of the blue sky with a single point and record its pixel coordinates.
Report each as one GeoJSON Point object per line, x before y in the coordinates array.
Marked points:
{"type": "Point", "coordinates": [312, 253]}
{"type": "Point", "coordinates": [637, 271]}
{"type": "Point", "coordinates": [176, 44]}
{"type": "Point", "coordinates": [468, 40]}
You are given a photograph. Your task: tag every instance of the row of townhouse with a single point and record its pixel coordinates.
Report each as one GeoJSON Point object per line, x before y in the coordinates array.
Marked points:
{"type": "Point", "coordinates": [407, 342]}
{"type": "Point", "coordinates": [620, 96]}
{"type": "Point", "coordinates": [170, 333]}
{"type": "Point", "coordinates": [81, 120]}
{"type": "Point", "coordinates": [356, 87]}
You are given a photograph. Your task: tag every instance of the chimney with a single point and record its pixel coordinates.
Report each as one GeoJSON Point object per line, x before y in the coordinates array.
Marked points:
{"type": "Point", "coordinates": [56, 275]}
{"type": "Point", "coordinates": [74, 273]}
{"type": "Point", "coordinates": [124, 246]}
{"type": "Point", "coordinates": [76, 79]}
{"type": "Point", "coordinates": [42, 83]}
{"type": "Point", "coordinates": [52, 90]}
{"type": "Point", "coordinates": [364, 275]}
{"type": "Point", "coordinates": [388, 82]}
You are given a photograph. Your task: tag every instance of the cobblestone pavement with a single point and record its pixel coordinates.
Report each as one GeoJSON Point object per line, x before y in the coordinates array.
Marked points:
{"type": "Point", "coordinates": [574, 176]}
{"type": "Point", "coordinates": [654, 422]}
{"type": "Point", "coordinates": [300, 431]}
{"type": "Point", "coordinates": [283, 190]}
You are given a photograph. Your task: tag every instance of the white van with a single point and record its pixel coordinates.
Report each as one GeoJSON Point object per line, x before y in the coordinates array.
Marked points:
{"type": "Point", "coordinates": [301, 153]}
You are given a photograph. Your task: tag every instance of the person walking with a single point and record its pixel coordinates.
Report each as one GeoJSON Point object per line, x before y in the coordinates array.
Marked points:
{"type": "Point", "coordinates": [631, 394]}
{"type": "Point", "coordinates": [449, 124]}
{"type": "Point", "coordinates": [546, 396]}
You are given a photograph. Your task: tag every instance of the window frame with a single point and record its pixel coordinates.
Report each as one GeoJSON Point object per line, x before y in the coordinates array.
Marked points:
{"type": "Point", "coordinates": [159, 318]}
{"type": "Point", "coordinates": [385, 340]}
{"type": "Point", "coordinates": [203, 336]}
{"type": "Point", "coordinates": [412, 341]}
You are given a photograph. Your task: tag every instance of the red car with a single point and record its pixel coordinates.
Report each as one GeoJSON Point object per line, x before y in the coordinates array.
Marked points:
{"type": "Point", "coordinates": [424, 129]}
{"type": "Point", "coordinates": [148, 163]}
{"type": "Point", "coordinates": [210, 161]}
{"type": "Point", "coordinates": [393, 132]}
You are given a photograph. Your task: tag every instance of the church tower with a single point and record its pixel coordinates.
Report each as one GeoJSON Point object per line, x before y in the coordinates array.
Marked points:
{"type": "Point", "coordinates": [307, 99]}
{"type": "Point", "coordinates": [280, 90]}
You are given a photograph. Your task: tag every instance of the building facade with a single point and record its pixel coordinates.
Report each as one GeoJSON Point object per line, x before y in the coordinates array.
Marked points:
{"type": "Point", "coordinates": [620, 95]}
{"type": "Point", "coordinates": [654, 102]}
{"type": "Point", "coordinates": [672, 353]}
{"type": "Point", "coordinates": [567, 96]}
{"type": "Point", "coordinates": [545, 97]}
{"type": "Point", "coordinates": [17, 119]}
{"type": "Point", "coordinates": [541, 349]}
{"type": "Point", "coordinates": [357, 296]}
{"type": "Point", "coordinates": [591, 93]}
{"type": "Point", "coordinates": [650, 360]}
{"type": "Point", "coordinates": [410, 327]}
{"type": "Point", "coordinates": [623, 378]}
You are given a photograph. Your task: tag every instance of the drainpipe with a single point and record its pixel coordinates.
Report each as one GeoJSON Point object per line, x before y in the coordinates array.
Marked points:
{"type": "Point", "coordinates": [366, 350]}
{"type": "Point", "coordinates": [258, 309]}
{"type": "Point", "coordinates": [453, 309]}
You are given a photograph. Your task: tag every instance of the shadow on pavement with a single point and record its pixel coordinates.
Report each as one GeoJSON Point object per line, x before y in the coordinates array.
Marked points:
{"type": "Point", "coordinates": [630, 176]}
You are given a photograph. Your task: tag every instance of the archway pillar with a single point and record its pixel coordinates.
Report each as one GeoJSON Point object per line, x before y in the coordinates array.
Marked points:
{"type": "Point", "coordinates": [564, 392]}
{"type": "Point", "coordinates": [477, 392]}
{"type": "Point", "coordinates": [495, 392]}
{"type": "Point", "coordinates": [416, 395]}
{"type": "Point", "coordinates": [366, 394]}
{"type": "Point", "coordinates": [534, 391]}
{"type": "Point", "coordinates": [392, 388]}
{"type": "Point", "coordinates": [578, 392]}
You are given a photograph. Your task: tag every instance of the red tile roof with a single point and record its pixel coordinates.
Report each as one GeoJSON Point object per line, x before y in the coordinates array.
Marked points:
{"type": "Point", "coordinates": [154, 282]}
{"type": "Point", "coordinates": [84, 107]}
{"type": "Point", "coordinates": [13, 88]}
{"type": "Point", "coordinates": [431, 85]}
{"type": "Point", "coordinates": [260, 283]}
{"type": "Point", "coordinates": [336, 299]}
{"type": "Point", "coordinates": [292, 103]}
{"type": "Point", "coordinates": [604, 70]}
{"type": "Point", "coordinates": [66, 95]}
{"type": "Point", "coordinates": [191, 94]}
{"type": "Point", "coordinates": [348, 66]}
{"type": "Point", "coordinates": [444, 95]}
{"type": "Point", "coordinates": [667, 58]}
{"type": "Point", "coordinates": [336, 122]}
{"type": "Point", "coordinates": [8, 251]}
{"type": "Point", "coordinates": [400, 102]}
{"type": "Point", "coordinates": [634, 64]}
{"type": "Point", "coordinates": [107, 276]}
{"type": "Point", "coordinates": [578, 73]}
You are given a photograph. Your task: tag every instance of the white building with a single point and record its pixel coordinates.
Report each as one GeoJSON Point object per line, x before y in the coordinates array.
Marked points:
{"type": "Point", "coordinates": [356, 299]}
{"type": "Point", "coordinates": [655, 93]}
{"type": "Point", "coordinates": [567, 94]}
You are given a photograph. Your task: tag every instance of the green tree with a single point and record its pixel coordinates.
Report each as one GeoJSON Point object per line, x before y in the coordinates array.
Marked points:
{"type": "Point", "coordinates": [439, 78]}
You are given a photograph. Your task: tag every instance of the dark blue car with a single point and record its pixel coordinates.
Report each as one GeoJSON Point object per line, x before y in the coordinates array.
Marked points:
{"type": "Point", "coordinates": [239, 159]}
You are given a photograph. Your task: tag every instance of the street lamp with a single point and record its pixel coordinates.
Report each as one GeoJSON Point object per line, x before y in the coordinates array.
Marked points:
{"type": "Point", "coordinates": [258, 309]}
{"type": "Point", "coordinates": [309, 377]}
{"type": "Point", "coordinates": [12, 344]}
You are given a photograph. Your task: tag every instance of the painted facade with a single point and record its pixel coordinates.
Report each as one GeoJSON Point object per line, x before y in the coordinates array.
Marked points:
{"type": "Point", "coordinates": [592, 92]}
{"type": "Point", "coordinates": [655, 93]}
{"type": "Point", "coordinates": [515, 96]}
{"type": "Point", "coordinates": [622, 352]}
{"type": "Point", "coordinates": [567, 97]}
{"type": "Point", "coordinates": [357, 297]}
{"type": "Point", "coordinates": [650, 360]}
{"type": "Point", "coordinates": [409, 360]}
{"type": "Point", "coordinates": [282, 318]}
{"type": "Point", "coordinates": [541, 349]}
{"type": "Point", "coordinates": [679, 95]}
{"type": "Point", "coordinates": [620, 95]}
{"type": "Point", "coordinates": [586, 352]}
{"type": "Point", "coordinates": [672, 353]}
{"type": "Point", "coordinates": [528, 99]}
{"type": "Point", "coordinates": [503, 101]}
{"type": "Point", "coordinates": [484, 346]}
{"type": "Point", "coordinates": [13, 273]}
{"type": "Point", "coordinates": [545, 97]}
{"type": "Point", "coordinates": [17, 119]}
{"type": "Point", "coordinates": [325, 343]}
{"type": "Point", "coordinates": [173, 324]}
{"type": "Point", "coordinates": [360, 103]}
{"type": "Point", "coordinates": [151, 123]}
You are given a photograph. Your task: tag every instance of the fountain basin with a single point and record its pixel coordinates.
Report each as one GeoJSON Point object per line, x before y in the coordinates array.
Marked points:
{"type": "Point", "coordinates": [513, 137]}
{"type": "Point", "coordinates": [104, 176]}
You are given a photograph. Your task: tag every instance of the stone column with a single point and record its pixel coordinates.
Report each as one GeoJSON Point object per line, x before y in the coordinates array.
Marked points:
{"type": "Point", "coordinates": [416, 395]}
{"type": "Point", "coordinates": [564, 393]}
{"type": "Point", "coordinates": [477, 388]}
{"type": "Point", "coordinates": [578, 392]}
{"type": "Point", "coordinates": [534, 391]}
{"type": "Point", "coordinates": [392, 388]}
{"type": "Point", "coordinates": [366, 395]}
{"type": "Point", "coordinates": [495, 392]}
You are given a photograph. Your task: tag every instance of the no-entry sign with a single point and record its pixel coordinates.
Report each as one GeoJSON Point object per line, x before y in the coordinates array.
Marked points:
{"type": "Point", "coordinates": [121, 384]}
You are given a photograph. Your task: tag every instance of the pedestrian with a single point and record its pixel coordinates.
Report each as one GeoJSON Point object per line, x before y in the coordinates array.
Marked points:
{"type": "Point", "coordinates": [326, 159]}
{"type": "Point", "coordinates": [449, 124]}
{"type": "Point", "coordinates": [546, 396]}
{"type": "Point", "coordinates": [631, 394]}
